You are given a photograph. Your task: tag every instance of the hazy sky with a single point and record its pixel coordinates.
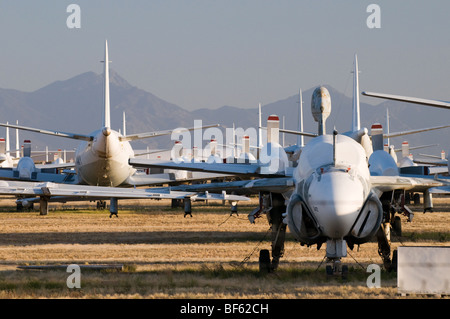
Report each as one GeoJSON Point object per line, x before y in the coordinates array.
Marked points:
{"type": "Point", "coordinates": [235, 52]}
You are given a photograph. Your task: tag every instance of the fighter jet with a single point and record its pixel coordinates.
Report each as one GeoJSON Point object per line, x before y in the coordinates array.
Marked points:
{"type": "Point", "coordinates": [331, 197]}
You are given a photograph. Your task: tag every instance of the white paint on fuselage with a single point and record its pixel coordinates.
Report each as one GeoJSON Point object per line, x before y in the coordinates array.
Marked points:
{"type": "Point", "coordinates": [335, 193]}
{"type": "Point", "coordinates": [104, 160]}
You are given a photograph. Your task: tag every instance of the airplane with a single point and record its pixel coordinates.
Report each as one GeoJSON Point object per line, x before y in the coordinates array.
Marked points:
{"type": "Point", "coordinates": [6, 159]}
{"type": "Point", "coordinates": [414, 100]}
{"type": "Point", "coordinates": [48, 191]}
{"type": "Point", "coordinates": [440, 164]}
{"type": "Point", "coordinates": [339, 193]}
{"type": "Point", "coordinates": [101, 159]}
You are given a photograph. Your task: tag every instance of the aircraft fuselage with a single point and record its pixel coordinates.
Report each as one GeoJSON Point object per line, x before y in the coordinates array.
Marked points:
{"type": "Point", "coordinates": [104, 160]}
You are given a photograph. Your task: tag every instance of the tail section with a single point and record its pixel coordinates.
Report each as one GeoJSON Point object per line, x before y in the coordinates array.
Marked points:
{"type": "Point", "coordinates": [377, 137]}
{"type": "Point", "coordinates": [273, 129]}
{"type": "Point", "coordinates": [405, 149]}
{"type": "Point", "coordinates": [300, 138]}
{"type": "Point", "coordinates": [106, 111]}
{"type": "Point", "coordinates": [356, 120]}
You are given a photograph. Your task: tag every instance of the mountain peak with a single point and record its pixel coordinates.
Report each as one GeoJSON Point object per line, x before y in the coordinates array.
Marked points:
{"type": "Point", "coordinates": [115, 78]}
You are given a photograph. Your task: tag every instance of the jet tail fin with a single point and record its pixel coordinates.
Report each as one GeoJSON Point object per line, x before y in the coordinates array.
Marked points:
{"type": "Point", "coordinates": [356, 120]}
{"type": "Point", "coordinates": [377, 137]}
{"type": "Point", "coordinates": [106, 110]}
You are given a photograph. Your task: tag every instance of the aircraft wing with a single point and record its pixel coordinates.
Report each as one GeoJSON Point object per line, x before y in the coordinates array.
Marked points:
{"type": "Point", "coordinates": [274, 185]}
{"type": "Point", "coordinates": [87, 192]}
{"type": "Point", "coordinates": [161, 133]}
{"type": "Point", "coordinates": [440, 190]}
{"type": "Point", "coordinates": [220, 168]}
{"type": "Point", "coordinates": [54, 133]}
{"type": "Point", "coordinates": [10, 174]}
{"type": "Point", "coordinates": [435, 103]}
{"type": "Point", "coordinates": [389, 183]}
{"type": "Point", "coordinates": [55, 165]}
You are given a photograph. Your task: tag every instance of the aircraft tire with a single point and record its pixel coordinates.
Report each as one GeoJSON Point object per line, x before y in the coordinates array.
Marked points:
{"type": "Point", "coordinates": [264, 261]}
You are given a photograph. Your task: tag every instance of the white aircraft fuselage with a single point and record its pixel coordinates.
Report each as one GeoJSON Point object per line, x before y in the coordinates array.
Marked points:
{"type": "Point", "coordinates": [104, 160]}
{"type": "Point", "coordinates": [332, 198]}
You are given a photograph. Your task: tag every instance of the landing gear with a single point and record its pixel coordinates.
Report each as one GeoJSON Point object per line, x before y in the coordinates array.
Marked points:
{"type": "Point", "coordinates": [187, 207]}
{"type": "Point", "coordinates": [113, 207]}
{"type": "Point", "coordinates": [392, 203]}
{"type": "Point", "coordinates": [101, 204]}
{"type": "Point", "coordinates": [397, 226]}
{"type": "Point", "coordinates": [384, 247]}
{"type": "Point", "coordinates": [337, 269]}
{"type": "Point", "coordinates": [336, 249]}
{"type": "Point", "coordinates": [264, 261]}
{"type": "Point", "coordinates": [278, 232]}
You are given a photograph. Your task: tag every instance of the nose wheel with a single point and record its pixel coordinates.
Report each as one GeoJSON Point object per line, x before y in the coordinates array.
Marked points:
{"type": "Point", "coordinates": [336, 269]}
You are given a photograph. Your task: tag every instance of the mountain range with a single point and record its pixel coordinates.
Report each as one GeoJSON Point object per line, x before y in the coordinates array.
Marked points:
{"type": "Point", "coordinates": [75, 105]}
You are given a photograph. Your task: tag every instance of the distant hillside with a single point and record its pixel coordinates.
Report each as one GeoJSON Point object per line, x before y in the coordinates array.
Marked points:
{"type": "Point", "coordinates": [75, 105]}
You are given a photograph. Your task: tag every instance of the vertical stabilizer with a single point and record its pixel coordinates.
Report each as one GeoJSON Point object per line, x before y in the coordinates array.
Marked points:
{"type": "Point", "coordinates": [2, 146]}
{"type": "Point", "coordinates": [26, 148]}
{"type": "Point", "coordinates": [7, 146]}
{"type": "Point", "coordinates": [106, 111]}
{"type": "Point", "coordinates": [259, 127]}
{"type": "Point", "coordinates": [356, 120]}
{"type": "Point", "coordinates": [387, 126]}
{"type": "Point", "coordinates": [124, 125]}
{"type": "Point", "coordinates": [273, 129]}
{"type": "Point", "coordinates": [17, 141]}
{"type": "Point", "coordinates": [259, 131]}
{"type": "Point", "coordinates": [405, 149]}
{"type": "Point", "coordinates": [377, 137]}
{"type": "Point", "coordinates": [300, 138]}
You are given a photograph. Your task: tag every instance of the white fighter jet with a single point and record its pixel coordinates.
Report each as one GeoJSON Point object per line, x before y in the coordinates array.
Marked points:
{"type": "Point", "coordinates": [342, 192]}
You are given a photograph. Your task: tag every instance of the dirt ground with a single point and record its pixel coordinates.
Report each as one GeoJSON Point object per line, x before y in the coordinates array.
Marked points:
{"type": "Point", "coordinates": [166, 255]}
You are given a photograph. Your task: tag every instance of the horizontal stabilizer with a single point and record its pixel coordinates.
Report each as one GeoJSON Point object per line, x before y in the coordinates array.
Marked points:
{"type": "Point", "coordinates": [162, 133]}
{"type": "Point", "coordinates": [274, 185]}
{"type": "Point", "coordinates": [53, 133]}
{"type": "Point", "coordinates": [414, 131]}
{"type": "Point", "coordinates": [298, 133]}
{"type": "Point", "coordinates": [231, 169]}
{"type": "Point", "coordinates": [434, 103]}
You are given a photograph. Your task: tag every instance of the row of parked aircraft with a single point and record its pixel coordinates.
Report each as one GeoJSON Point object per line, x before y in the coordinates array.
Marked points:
{"type": "Point", "coordinates": [339, 189]}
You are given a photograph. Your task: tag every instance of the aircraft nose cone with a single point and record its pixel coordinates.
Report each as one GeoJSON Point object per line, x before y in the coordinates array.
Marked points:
{"type": "Point", "coordinates": [336, 199]}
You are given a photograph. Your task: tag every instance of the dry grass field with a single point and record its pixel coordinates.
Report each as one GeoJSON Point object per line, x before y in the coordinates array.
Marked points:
{"type": "Point", "coordinates": [211, 255]}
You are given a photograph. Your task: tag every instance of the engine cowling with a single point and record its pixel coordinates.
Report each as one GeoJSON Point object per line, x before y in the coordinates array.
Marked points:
{"type": "Point", "coordinates": [382, 164]}
{"type": "Point", "coordinates": [26, 168]}
{"type": "Point", "coordinates": [368, 221]}
{"type": "Point", "coordinates": [301, 222]}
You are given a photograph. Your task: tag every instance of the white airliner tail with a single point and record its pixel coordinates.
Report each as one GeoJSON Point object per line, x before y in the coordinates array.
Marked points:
{"type": "Point", "coordinates": [106, 111]}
